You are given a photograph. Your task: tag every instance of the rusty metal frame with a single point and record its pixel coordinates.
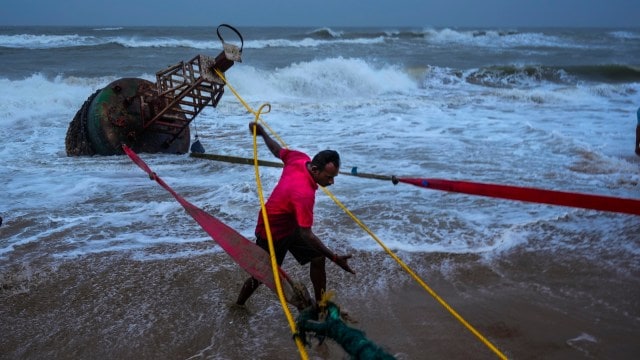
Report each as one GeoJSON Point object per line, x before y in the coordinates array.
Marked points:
{"type": "Point", "coordinates": [187, 87]}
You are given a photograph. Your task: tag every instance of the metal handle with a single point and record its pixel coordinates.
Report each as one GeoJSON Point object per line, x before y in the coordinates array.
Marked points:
{"type": "Point", "coordinates": [234, 30]}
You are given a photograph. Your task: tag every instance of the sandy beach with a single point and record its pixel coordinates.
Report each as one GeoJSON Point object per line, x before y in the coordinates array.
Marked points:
{"type": "Point", "coordinates": [110, 306]}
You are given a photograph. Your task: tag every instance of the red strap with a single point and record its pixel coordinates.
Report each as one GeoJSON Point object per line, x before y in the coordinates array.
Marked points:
{"type": "Point", "coordinates": [248, 255]}
{"type": "Point", "coordinates": [586, 201]}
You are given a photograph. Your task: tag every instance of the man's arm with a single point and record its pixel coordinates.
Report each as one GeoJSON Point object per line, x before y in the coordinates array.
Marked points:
{"type": "Point", "coordinates": [273, 145]}
{"type": "Point", "coordinates": [313, 240]}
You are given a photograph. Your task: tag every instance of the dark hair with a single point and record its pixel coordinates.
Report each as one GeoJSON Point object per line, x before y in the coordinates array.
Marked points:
{"type": "Point", "coordinates": [324, 157]}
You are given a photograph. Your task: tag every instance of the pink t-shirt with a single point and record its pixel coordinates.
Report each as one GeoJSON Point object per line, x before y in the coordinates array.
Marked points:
{"type": "Point", "coordinates": [291, 202]}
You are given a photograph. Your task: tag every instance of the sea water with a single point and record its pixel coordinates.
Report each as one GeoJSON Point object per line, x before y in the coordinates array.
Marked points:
{"type": "Point", "coordinates": [543, 108]}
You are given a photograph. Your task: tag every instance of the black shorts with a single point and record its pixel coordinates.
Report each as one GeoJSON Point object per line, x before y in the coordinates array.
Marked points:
{"type": "Point", "coordinates": [294, 244]}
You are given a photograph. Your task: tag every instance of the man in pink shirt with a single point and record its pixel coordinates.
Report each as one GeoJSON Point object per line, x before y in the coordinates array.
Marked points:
{"type": "Point", "coordinates": [290, 213]}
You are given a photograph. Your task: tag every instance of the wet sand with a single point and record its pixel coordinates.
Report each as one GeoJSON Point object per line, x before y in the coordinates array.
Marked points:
{"type": "Point", "coordinates": [111, 306]}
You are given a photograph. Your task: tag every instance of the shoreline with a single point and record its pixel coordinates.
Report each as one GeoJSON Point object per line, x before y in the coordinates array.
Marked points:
{"type": "Point", "coordinates": [108, 305]}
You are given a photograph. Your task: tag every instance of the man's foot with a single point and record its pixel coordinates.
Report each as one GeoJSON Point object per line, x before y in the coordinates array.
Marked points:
{"type": "Point", "coordinates": [237, 307]}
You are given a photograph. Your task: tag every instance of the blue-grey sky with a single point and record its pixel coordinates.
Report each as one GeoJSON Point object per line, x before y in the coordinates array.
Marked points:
{"type": "Point", "coordinates": [421, 13]}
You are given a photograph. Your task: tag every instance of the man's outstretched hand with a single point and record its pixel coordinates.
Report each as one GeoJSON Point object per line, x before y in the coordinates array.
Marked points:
{"type": "Point", "coordinates": [342, 262]}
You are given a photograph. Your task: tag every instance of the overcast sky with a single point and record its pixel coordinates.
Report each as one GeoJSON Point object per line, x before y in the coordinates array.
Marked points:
{"type": "Point", "coordinates": [420, 13]}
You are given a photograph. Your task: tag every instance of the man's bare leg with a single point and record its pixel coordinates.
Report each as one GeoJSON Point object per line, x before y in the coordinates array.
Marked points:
{"type": "Point", "coordinates": [250, 285]}
{"type": "Point", "coordinates": [318, 277]}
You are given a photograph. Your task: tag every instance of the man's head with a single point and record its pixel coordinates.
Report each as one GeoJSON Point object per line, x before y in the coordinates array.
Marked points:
{"type": "Point", "coordinates": [324, 167]}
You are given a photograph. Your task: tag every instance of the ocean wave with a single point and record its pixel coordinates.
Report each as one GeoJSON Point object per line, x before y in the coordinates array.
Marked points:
{"type": "Point", "coordinates": [114, 28]}
{"type": "Point", "coordinates": [515, 76]}
{"type": "Point", "coordinates": [30, 41]}
{"type": "Point", "coordinates": [445, 34]}
{"type": "Point", "coordinates": [309, 42]}
{"type": "Point", "coordinates": [612, 73]}
{"type": "Point", "coordinates": [22, 106]}
{"type": "Point", "coordinates": [489, 38]}
{"type": "Point", "coordinates": [40, 41]}
{"type": "Point", "coordinates": [315, 38]}
{"type": "Point", "coordinates": [325, 33]}
{"type": "Point", "coordinates": [327, 78]}
{"type": "Point", "coordinates": [625, 35]}
{"type": "Point", "coordinates": [523, 76]}
{"type": "Point", "coordinates": [135, 42]}
{"type": "Point", "coordinates": [36, 41]}
{"type": "Point", "coordinates": [497, 38]}
{"type": "Point", "coordinates": [362, 34]}
{"type": "Point", "coordinates": [336, 77]}
{"type": "Point", "coordinates": [471, 37]}
{"type": "Point", "coordinates": [500, 77]}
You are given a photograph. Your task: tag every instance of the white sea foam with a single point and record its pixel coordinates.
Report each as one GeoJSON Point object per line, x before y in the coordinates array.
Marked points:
{"type": "Point", "coordinates": [625, 35]}
{"type": "Point", "coordinates": [495, 38]}
{"type": "Point", "coordinates": [36, 41]}
{"type": "Point", "coordinates": [481, 38]}
{"type": "Point", "coordinates": [383, 118]}
{"type": "Point", "coordinates": [335, 78]}
{"type": "Point", "coordinates": [110, 28]}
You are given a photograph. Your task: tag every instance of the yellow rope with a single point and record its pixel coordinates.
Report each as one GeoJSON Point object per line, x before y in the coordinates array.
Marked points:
{"type": "Point", "coordinates": [249, 109]}
{"type": "Point", "coordinates": [274, 263]}
{"type": "Point", "coordinates": [364, 227]}
{"type": "Point", "coordinates": [417, 278]}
